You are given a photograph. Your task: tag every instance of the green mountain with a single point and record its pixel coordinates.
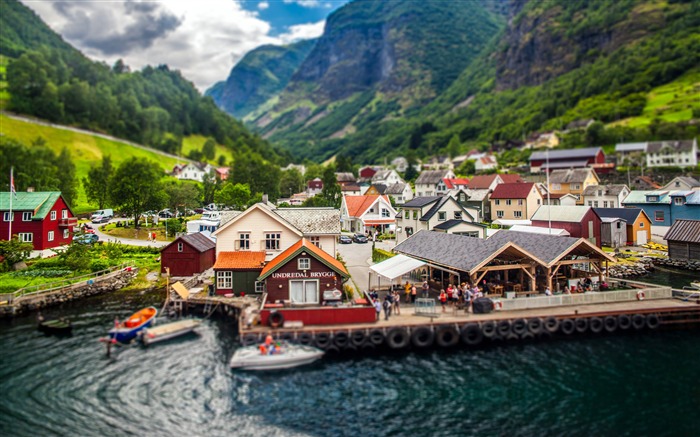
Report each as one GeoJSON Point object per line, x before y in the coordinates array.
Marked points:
{"type": "Point", "coordinates": [259, 76]}
{"type": "Point", "coordinates": [21, 30]}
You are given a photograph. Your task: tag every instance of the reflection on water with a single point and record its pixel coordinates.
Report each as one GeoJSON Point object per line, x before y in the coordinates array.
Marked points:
{"type": "Point", "coordinates": [615, 385]}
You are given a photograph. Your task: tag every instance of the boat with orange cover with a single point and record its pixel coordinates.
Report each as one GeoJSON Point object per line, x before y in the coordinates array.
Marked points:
{"type": "Point", "coordinates": [127, 330]}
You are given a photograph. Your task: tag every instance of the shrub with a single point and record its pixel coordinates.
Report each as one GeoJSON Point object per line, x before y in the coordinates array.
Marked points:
{"type": "Point", "coordinates": [99, 264]}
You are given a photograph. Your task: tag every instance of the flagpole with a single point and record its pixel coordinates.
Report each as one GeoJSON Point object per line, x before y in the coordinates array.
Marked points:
{"type": "Point", "coordinates": [549, 199]}
{"type": "Point", "coordinates": [12, 188]}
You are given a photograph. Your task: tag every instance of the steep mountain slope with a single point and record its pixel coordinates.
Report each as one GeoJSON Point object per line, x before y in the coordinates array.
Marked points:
{"type": "Point", "coordinates": [259, 76]}
{"type": "Point", "coordinates": [21, 30]}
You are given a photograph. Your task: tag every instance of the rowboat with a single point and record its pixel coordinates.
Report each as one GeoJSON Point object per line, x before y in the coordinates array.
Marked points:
{"type": "Point", "coordinates": [290, 355]}
{"type": "Point", "coordinates": [127, 330]}
{"type": "Point", "coordinates": [168, 331]}
{"type": "Point", "coordinates": [59, 326]}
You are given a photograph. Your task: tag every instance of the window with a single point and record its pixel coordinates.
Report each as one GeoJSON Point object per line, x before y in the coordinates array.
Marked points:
{"type": "Point", "coordinates": [590, 203]}
{"type": "Point", "coordinates": [303, 263]}
{"type": "Point", "coordinates": [641, 224]}
{"type": "Point", "coordinates": [244, 241]}
{"type": "Point", "coordinates": [50, 236]}
{"type": "Point", "coordinates": [6, 216]}
{"type": "Point", "coordinates": [224, 280]}
{"type": "Point", "coordinates": [272, 241]}
{"type": "Point", "coordinates": [64, 214]}
{"type": "Point", "coordinates": [619, 225]}
{"type": "Point", "coordinates": [407, 215]}
{"type": "Point", "coordinates": [600, 192]}
{"type": "Point", "coordinates": [458, 215]}
{"type": "Point", "coordinates": [259, 287]}
{"type": "Point", "coordinates": [180, 247]}
{"type": "Point", "coordinates": [556, 187]}
{"type": "Point", "coordinates": [652, 198]}
{"type": "Point", "coordinates": [538, 201]}
{"type": "Point", "coordinates": [498, 202]}
{"type": "Point", "coordinates": [26, 216]}
{"type": "Point", "coordinates": [415, 215]}
{"type": "Point", "coordinates": [462, 197]}
{"type": "Point", "coordinates": [316, 241]}
{"type": "Point", "coordinates": [678, 201]}
{"type": "Point", "coordinates": [66, 233]}
{"type": "Point", "coordinates": [659, 216]}
{"type": "Point", "coordinates": [517, 214]}
{"type": "Point", "coordinates": [305, 291]}
{"type": "Point", "coordinates": [520, 202]}
{"type": "Point", "coordinates": [26, 237]}
{"type": "Point", "coordinates": [385, 212]}
{"type": "Point", "coordinates": [499, 214]}
{"type": "Point", "coordinates": [409, 231]}
{"type": "Point", "coordinates": [509, 202]}
{"type": "Point", "coordinates": [576, 187]}
{"type": "Point", "coordinates": [605, 203]}
{"type": "Point", "coordinates": [53, 215]}
{"type": "Point", "coordinates": [595, 204]}
{"type": "Point", "coordinates": [442, 216]}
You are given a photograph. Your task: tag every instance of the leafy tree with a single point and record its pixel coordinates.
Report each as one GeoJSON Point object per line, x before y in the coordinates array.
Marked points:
{"type": "Point", "coordinates": [235, 195]}
{"type": "Point", "coordinates": [76, 257]}
{"type": "Point", "coordinates": [331, 193]}
{"type": "Point", "coordinates": [182, 196]}
{"type": "Point", "coordinates": [343, 163]}
{"type": "Point", "coordinates": [68, 184]}
{"type": "Point", "coordinates": [136, 187]}
{"type": "Point", "coordinates": [210, 185]}
{"type": "Point", "coordinates": [453, 146]}
{"type": "Point", "coordinates": [209, 149]}
{"type": "Point", "coordinates": [96, 183]}
{"type": "Point", "coordinates": [13, 251]}
{"type": "Point", "coordinates": [467, 168]}
{"type": "Point", "coordinates": [291, 182]}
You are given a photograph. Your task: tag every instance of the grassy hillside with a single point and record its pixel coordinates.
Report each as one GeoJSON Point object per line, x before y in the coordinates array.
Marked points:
{"type": "Point", "coordinates": [195, 142]}
{"type": "Point", "coordinates": [86, 150]}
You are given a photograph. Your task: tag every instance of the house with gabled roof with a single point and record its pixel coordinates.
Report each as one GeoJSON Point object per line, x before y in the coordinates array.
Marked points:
{"type": "Point", "coordinates": [683, 183]}
{"type": "Point", "coordinates": [461, 227]}
{"type": "Point", "coordinates": [345, 178]}
{"type": "Point", "coordinates": [428, 212]}
{"type": "Point", "coordinates": [400, 192]}
{"type": "Point", "coordinates": [605, 196]}
{"type": "Point", "coordinates": [579, 221]}
{"type": "Point", "coordinates": [430, 182]}
{"type": "Point", "coordinates": [42, 218]}
{"type": "Point", "coordinates": [237, 272]}
{"type": "Point", "coordinates": [367, 213]}
{"type": "Point", "coordinates": [682, 153]}
{"type": "Point", "coordinates": [566, 159]}
{"type": "Point", "coordinates": [188, 255]}
{"type": "Point", "coordinates": [645, 183]}
{"type": "Point", "coordinates": [684, 240]}
{"type": "Point", "coordinates": [386, 177]}
{"type": "Point", "coordinates": [637, 223]}
{"type": "Point", "coordinates": [517, 201]}
{"type": "Point", "coordinates": [485, 163]}
{"type": "Point", "coordinates": [264, 227]}
{"type": "Point", "coordinates": [665, 207]}
{"type": "Point", "coordinates": [573, 181]}
{"type": "Point", "coordinates": [193, 171]}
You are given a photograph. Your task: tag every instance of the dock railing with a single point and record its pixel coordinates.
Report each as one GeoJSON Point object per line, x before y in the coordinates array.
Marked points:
{"type": "Point", "coordinates": [426, 307]}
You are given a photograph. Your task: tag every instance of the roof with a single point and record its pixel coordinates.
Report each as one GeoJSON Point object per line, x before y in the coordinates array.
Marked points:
{"type": "Point", "coordinates": [627, 214]}
{"type": "Point", "coordinates": [39, 202]}
{"type": "Point", "coordinates": [509, 178]}
{"type": "Point", "coordinates": [574, 163]}
{"type": "Point", "coordinates": [678, 146]}
{"type": "Point", "coordinates": [608, 190]}
{"type": "Point", "coordinates": [198, 241]}
{"type": "Point", "coordinates": [691, 182]}
{"type": "Point", "coordinates": [420, 202]}
{"type": "Point", "coordinates": [640, 196]}
{"type": "Point", "coordinates": [294, 250]}
{"type": "Point", "coordinates": [396, 266]}
{"type": "Point", "coordinates": [586, 152]}
{"type": "Point", "coordinates": [240, 260]}
{"type": "Point", "coordinates": [631, 147]}
{"type": "Point", "coordinates": [647, 180]}
{"type": "Point", "coordinates": [569, 176]}
{"type": "Point", "coordinates": [540, 230]}
{"type": "Point", "coordinates": [482, 181]}
{"type": "Point", "coordinates": [687, 231]}
{"type": "Point", "coordinates": [452, 183]}
{"type": "Point", "coordinates": [560, 213]}
{"type": "Point", "coordinates": [397, 188]}
{"type": "Point", "coordinates": [357, 205]}
{"type": "Point", "coordinates": [512, 191]}
{"type": "Point", "coordinates": [431, 176]}
{"type": "Point", "coordinates": [345, 177]}
{"type": "Point", "coordinates": [350, 187]}
{"type": "Point", "coordinates": [449, 224]}
{"type": "Point", "coordinates": [477, 194]}
{"type": "Point", "coordinates": [382, 174]}
{"type": "Point", "coordinates": [438, 206]}
{"type": "Point", "coordinates": [312, 220]}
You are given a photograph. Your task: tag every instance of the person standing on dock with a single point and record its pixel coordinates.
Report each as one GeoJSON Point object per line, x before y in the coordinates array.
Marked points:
{"type": "Point", "coordinates": [397, 302]}
{"type": "Point", "coordinates": [414, 294]}
{"type": "Point", "coordinates": [443, 299]}
{"type": "Point", "coordinates": [387, 306]}
{"type": "Point", "coordinates": [407, 290]}
{"type": "Point", "coordinates": [426, 289]}
{"type": "Point", "coordinates": [377, 308]}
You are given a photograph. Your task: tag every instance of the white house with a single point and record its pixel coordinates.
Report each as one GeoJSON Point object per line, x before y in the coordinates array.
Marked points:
{"type": "Point", "coordinates": [193, 171]}
{"type": "Point", "coordinates": [605, 196]}
{"type": "Point", "coordinates": [430, 182]}
{"type": "Point", "coordinates": [683, 183]}
{"type": "Point", "coordinates": [425, 213]}
{"type": "Point", "coordinates": [672, 153]}
{"type": "Point", "coordinates": [365, 213]}
{"type": "Point", "coordinates": [386, 177]}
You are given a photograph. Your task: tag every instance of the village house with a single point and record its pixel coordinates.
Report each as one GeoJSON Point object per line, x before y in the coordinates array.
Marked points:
{"type": "Point", "coordinates": [479, 189]}
{"type": "Point", "coordinates": [425, 213]}
{"type": "Point", "coordinates": [565, 199]}
{"type": "Point", "coordinates": [645, 183]}
{"type": "Point", "coordinates": [572, 181]}
{"type": "Point", "coordinates": [221, 173]}
{"type": "Point", "coordinates": [42, 218]}
{"type": "Point", "coordinates": [400, 192]}
{"type": "Point", "coordinates": [672, 153]}
{"type": "Point", "coordinates": [192, 171]}
{"type": "Point", "coordinates": [517, 201]}
{"type": "Point", "coordinates": [566, 159]}
{"type": "Point", "coordinates": [363, 214]}
{"type": "Point", "coordinates": [365, 174]}
{"type": "Point", "coordinates": [453, 185]}
{"type": "Point", "coordinates": [430, 182]}
{"type": "Point", "coordinates": [264, 227]}
{"type": "Point", "coordinates": [664, 207]}
{"type": "Point", "coordinates": [475, 200]}
{"type": "Point", "coordinates": [400, 164]}
{"type": "Point", "coordinates": [440, 162]}
{"type": "Point", "coordinates": [351, 190]}
{"type": "Point", "coordinates": [605, 196]}
{"type": "Point", "coordinates": [345, 178]}
{"type": "Point", "coordinates": [683, 183]}
{"type": "Point", "coordinates": [684, 240]}
{"type": "Point", "coordinates": [485, 163]}
{"type": "Point", "coordinates": [630, 154]}
{"type": "Point", "coordinates": [237, 272]}
{"type": "Point", "coordinates": [386, 177]}
{"type": "Point", "coordinates": [546, 140]}
{"type": "Point", "coordinates": [582, 124]}
{"type": "Point", "coordinates": [188, 255]}
{"type": "Point", "coordinates": [637, 223]}
{"type": "Point", "coordinates": [314, 187]}
{"type": "Point", "coordinates": [579, 221]}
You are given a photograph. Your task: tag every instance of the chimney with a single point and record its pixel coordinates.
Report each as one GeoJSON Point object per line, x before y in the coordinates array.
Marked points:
{"type": "Point", "coordinates": [30, 189]}
{"type": "Point", "coordinates": [264, 198]}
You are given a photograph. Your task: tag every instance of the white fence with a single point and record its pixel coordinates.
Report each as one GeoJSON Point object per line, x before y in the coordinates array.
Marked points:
{"type": "Point", "coordinates": [590, 297]}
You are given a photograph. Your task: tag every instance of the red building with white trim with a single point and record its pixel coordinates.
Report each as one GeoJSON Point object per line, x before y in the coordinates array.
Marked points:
{"type": "Point", "coordinates": [41, 218]}
{"type": "Point", "coordinates": [188, 255]}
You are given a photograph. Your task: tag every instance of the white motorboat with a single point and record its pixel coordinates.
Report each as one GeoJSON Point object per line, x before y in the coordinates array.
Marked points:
{"type": "Point", "coordinates": [291, 355]}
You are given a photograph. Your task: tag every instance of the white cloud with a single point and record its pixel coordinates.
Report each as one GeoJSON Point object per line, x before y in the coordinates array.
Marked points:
{"type": "Point", "coordinates": [305, 3]}
{"type": "Point", "coordinates": [263, 5]}
{"type": "Point", "coordinates": [303, 31]}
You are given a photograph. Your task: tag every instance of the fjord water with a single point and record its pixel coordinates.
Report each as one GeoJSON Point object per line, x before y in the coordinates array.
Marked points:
{"type": "Point", "coordinates": [632, 384]}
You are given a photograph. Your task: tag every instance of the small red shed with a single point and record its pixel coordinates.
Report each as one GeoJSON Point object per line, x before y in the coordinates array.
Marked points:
{"type": "Point", "coordinates": [579, 221]}
{"type": "Point", "coordinates": [188, 255]}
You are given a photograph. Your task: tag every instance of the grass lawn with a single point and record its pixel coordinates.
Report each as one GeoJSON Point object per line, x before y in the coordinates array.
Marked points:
{"type": "Point", "coordinates": [195, 142]}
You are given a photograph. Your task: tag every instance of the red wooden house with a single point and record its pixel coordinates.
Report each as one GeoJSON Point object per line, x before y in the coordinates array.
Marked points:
{"type": "Point", "coordinates": [41, 218]}
{"type": "Point", "coordinates": [579, 221]}
{"type": "Point", "coordinates": [188, 255]}
{"type": "Point", "coordinates": [565, 159]}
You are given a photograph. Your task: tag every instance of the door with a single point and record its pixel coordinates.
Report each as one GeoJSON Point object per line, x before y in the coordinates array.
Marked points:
{"type": "Point", "coordinates": [641, 237]}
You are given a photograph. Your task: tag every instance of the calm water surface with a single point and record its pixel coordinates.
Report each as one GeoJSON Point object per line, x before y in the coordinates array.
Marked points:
{"type": "Point", "coordinates": [633, 384]}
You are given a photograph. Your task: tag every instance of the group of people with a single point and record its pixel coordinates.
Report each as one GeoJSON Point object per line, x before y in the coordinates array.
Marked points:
{"type": "Point", "coordinates": [463, 294]}
{"type": "Point", "coordinates": [391, 303]}
{"type": "Point", "coordinates": [411, 291]}
{"type": "Point", "coordinates": [269, 347]}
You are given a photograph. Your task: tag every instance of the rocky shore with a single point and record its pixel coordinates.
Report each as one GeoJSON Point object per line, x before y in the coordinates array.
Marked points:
{"type": "Point", "coordinates": [647, 263]}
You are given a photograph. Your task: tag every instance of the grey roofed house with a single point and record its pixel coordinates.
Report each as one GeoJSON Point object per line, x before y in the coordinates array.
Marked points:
{"type": "Point", "coordinates": [608, 190]}
{"type": "Point", "coordinates": [580, 124]}
{"type": "Point", "coordinates": [431, 176]}
{"type": "Point", "coordinates": [687, 231]}
{"type": "Point", "coordinates": [200, 242]}
{"type": "Point", "coordinates": [345, 177]}
{"type": "Point", "coordinates": [449, 224]}
{"type": "Point", "coordinates": [420, 202]}
{"type": "Point", "coordinates": [309, 221]}
{"type": "Point", "coordinates": [578, 175]}
{"type": "Point", "coordinates": [630, 147]}
{"type": "Point", "coordinates": [227, 216]}
{"type": "Point", "coordinates": [439, 204]}
{"type": "Point", "coordinates": [587, 152]}
{"type": "Point", "coordinates": [627, 214]}
{"type": "Point", "coordinates": [687, 180]}
{"type": "Point", "coordinates": [396, 188]}
{"type": "Point", "coordinates": [678, 146]}
{"type": "Point", "coordinates": [381, 175]}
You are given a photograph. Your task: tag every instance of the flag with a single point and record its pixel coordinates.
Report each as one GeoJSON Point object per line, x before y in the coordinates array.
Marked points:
{"type": "Point", "coordinates": [12, 183]}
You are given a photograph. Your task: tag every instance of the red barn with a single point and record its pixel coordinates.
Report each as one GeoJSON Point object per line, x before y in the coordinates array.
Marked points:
{"type": "Point", "coordinates": [42, 218]}
{"type": "Point", "coordinates": [188, 255]}
{"type": "Point", "coordinates": [565, 159]}
{"type": "Point", "coordinates": [580, 221]}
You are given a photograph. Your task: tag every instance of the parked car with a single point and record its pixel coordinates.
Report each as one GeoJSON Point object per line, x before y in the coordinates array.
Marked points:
{"type": "Point", "coordinates": [166, 214]}
{"type": "Point", "coordinates": [344, 239]}
{"type": "Point", "coordinates": [86, 239]}
{"type": "Point", "coordinates": [102, 215]}
{"type": "Point", "coordinates": [98, 218]}
{"type": "Point", "coordinates": [359, 238]}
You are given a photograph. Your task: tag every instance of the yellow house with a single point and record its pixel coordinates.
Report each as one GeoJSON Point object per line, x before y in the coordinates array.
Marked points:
{"type": "Point", "coordinates": [572, 181]}
{"type": "Point", "coordinates": [517, 201]}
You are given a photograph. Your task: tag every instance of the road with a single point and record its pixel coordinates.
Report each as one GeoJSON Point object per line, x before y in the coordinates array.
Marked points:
{"type": "Point", "coordinates": [130, 241]}
{"type": "Point", "coordinates": [358, 258]}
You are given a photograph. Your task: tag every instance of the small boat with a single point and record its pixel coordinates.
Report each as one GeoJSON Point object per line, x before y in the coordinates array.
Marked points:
{"type": "Point", "coordinates": [168, 331]}
{"type": "Point", "coordinates": [128, 330]}
{"type": "Point", "coordinates": [695, 285]}
{"type": "Point", "coordinates": [58, 326]}
{"type": "Point", "coordinates": [291, 355]}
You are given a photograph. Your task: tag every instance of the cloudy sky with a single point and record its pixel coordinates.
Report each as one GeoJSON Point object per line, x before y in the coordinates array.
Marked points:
{"type": "Point", "coordinates": [202, 38]}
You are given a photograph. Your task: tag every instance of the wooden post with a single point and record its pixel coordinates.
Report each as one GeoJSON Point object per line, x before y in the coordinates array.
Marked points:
{"type": "Point", "coordinates": [549, 278]}
{"type": "Point", "coordinates": [534, 277]}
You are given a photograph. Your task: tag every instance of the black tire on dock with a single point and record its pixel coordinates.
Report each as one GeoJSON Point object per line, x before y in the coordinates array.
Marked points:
{"type": "Point", "coordinates": [422, 337]}
{"type": "Point", "coordinates": [358, 338]}
{"type": "Point", "coordinates": [596, 325]}
{"type": "Point", "coordinates": [488, 328]}
{"type": "Point", "coordinates": [341, 339]}
{"type": "Point", "coordinates": [624, 321]}
{"type": "Point", "coordinates": [275, 319]}
{"type": "Point", "coordinates": [610, 323]}
{"type": "Point", "coordinates": [527, 335]}
{"type": "Point", "coordinates": [581, 325]}
{"type": "Point", "coordinates": [653, 321]}
{"type": "Point", "coordinates": [249, 339]}
{"type": "Point", "coordinates": [535, 325]}
{"type": "Point", "coordinates": [638, 321]}
{"type": "Point", "coordinates": [322, 340]}
{"type": "Point", "coordinates": [519, 327]}
{"type": "Point", "coordinates": [471, 334]}
{"type": "Point", "coordinates": [545, 335]}
{"type": "Point", "coordinates": [447, 336]}
{"type": "Point", "coordinates": [568, 326]}
{"type": "Point", "coordinates": [504, 328]}
{"type": "Point", "coordinates": [368, 347]}
{"type": "Point", "coordinates": [351, 348]}
{"type": "Point", "coordinates": [332, 349]}
{"type": "Point", "coordinates": [398, 338]}
{"type": "Point", "coordinates": [305, 338]}
{"type": "Point", "coordinates": [551, 324]}
{"type": "Point", "coordinates": [376, 337]}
